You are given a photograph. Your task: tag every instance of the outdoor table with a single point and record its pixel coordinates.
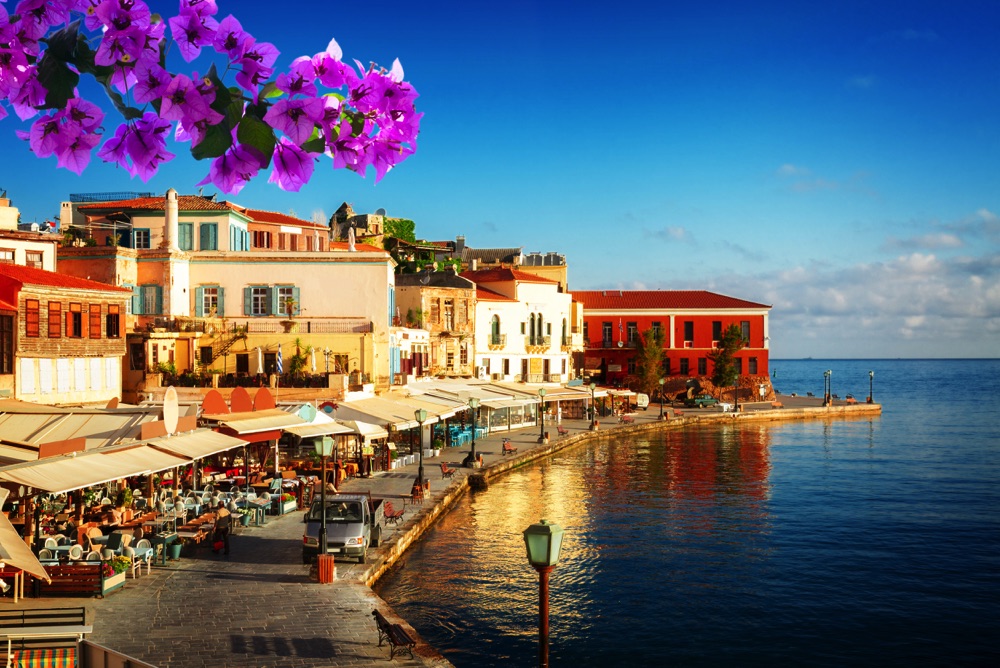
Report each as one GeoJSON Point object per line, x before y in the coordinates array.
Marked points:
{"type": "Point", "coordinates": [351, 468]}
{"type": "Point", "coordinates": [163, 539]}
{"type": "Point", "coordinates": [62, 551]}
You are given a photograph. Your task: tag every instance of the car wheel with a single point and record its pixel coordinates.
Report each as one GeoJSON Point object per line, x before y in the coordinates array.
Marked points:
{"type": "Point", "coordinates": [363, 556]}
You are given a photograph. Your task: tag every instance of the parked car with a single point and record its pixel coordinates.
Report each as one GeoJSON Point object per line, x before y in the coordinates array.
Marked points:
{"type": "Point", "coordinates": [701, 401]}
{"type": "Point", "coordinates": [642, 401]}
{"type": "Point", "coordinates": [353, 522]}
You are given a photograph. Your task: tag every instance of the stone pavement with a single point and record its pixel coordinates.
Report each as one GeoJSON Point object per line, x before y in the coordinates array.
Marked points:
{"type": "Point", "coordinates": [259, 606]}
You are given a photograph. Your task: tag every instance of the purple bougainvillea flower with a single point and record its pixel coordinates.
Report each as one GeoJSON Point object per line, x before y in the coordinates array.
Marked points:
{"type": "Point", "coordinates": [293, 167]}
{"type": "Point", "coordinates": [256, 66]}
{"type": "Point", "coordinates": [45, 135]}
{"type": "Point", "coordinates": [151, 82]}
{"type": "Point", "coordinates": [123, 14]}
{"type": "Point", "coordinates": [37, 16]}
{"type": "Point", "coordinates": [231, 39]}
{"type": "Point", "coordinates": [331, 72]}
{"type": "Point", "coordinates": [232, 170]}
{"type": "Point", "coordinates": [184, 100]}
{"type": "Point", "coordinates": [3, 112]}
{"type": "Point", "coordinates": [199, 7]}
{"type": "Point", "coordinates": [147, 145]}
{"type": "Point", "coordinates": [83, 113]}
{"type": "Point", "coordinates": [296, 118]}
{"type": "Point", "coordinates": [191, 32]}
{"type": "Point", "coordinates": [30, 95]}
{"type": "Point", "coordinates": [115, 151]}
{"type": "Point", "coordinates": [75, 156]}
{"type": "Point", "coordinates": [299, 78]}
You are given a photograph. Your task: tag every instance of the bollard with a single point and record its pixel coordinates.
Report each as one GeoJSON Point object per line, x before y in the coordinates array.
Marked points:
{"type": "Point", "coordinates": [327, 568]}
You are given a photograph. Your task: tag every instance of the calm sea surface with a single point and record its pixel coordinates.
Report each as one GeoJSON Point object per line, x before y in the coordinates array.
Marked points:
{"type": "Point", "coordinates": [862, 541]}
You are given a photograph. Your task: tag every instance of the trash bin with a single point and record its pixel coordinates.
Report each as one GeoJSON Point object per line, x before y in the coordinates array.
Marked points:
{"type": "Point", "coordinates": [327, 569]}
{"type": "Point", "coordinates": [174, 551]}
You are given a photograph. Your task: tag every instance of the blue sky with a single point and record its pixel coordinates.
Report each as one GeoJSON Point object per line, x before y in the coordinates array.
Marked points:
{"type": "Point", "coordinates": [839, 162]}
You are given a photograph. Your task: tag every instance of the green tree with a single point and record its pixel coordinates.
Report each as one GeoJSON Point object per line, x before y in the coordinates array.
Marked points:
{"type": "Point", "coordinates": [649, 360]}
{"type": "Point", "coordinates": [724, 357]}
{"type": "Point", "coordinates": [401, 228]}
{"type": "Point", "coordinates": [298, 363]}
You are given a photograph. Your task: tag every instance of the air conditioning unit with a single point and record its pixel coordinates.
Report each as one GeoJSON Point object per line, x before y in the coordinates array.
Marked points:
{"type": "Point", "coordinates": [715, 344]}
{"type": "Point", "coordinates": [482, 375]}
{"type": "Point", "coordinates": [688, 344]}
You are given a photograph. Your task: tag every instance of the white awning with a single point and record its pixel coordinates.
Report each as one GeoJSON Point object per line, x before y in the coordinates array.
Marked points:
{"type": "Point", "coordinates": [367, 431]}
{"type": "Point", "coordinates": [196, 444]}
{"type": "Point", "coordinates": [14, 551]}
{"type": "Point", "coordinates": [323, 429]}
{"type": "Point", "coordinates": [256, 421]}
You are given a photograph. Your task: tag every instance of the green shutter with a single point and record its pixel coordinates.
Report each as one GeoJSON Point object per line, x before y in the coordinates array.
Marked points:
{"type": "Point", "coordinates": [247, 300]}
{"type": "Point", "coordinates": [199, 302]}
{"type": "Point", "coordinates": [221, 310]}
{"type": "Point", "coordinates": [298, 303]}
{"type": "Point", "coordinates": [159, 299]}
{"type": "Point", "coordinates": [272, 299]}
{"type": "Point", "coordinates": [137, 300]}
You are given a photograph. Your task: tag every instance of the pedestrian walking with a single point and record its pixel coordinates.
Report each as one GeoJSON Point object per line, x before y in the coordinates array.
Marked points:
{"type": "Point", "coordinates": [223, 522]}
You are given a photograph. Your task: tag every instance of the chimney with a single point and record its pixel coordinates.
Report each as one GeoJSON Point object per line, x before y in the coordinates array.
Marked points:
{"type": "Point", "coordinates": [459, 244]}
{"type": "Point", "coordinates": [170, 221]}
{"type": "Point", "coordinates": [475, 264]}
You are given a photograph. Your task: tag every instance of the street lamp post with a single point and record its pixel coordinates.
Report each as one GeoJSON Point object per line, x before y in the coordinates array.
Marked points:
{"type": "Point", "coordinates": [471, 460]}
{"type": "Point", "coordinates": [662, 381]}
{"type": "Point", "coordinates": [421, 415]}
{"type": "Point", "coordinates": [326, 353]}
{"type": "Point", "coordinates": [543, 542]}
{"type": "Point", "coordinates": [871, 387]}
{"type": "Point", "coordinates": [541, 415]}
{"type": "Point", "coordinates": [593, 407]}
{"type": "Point", "coordinates": [324, 448]}
{"type": "Point", "coordinates": [827, 387]}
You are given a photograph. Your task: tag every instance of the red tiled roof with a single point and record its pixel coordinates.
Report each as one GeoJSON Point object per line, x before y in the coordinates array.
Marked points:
{"type": "Point", "coordinates": [7, 306]}
{"type": "Point", "coordinates": [503, 274]}
{"type": "Point", "coordinates": [660, 299]}
{"type": "Point", "coordinates": [487, 295]}
{"type": "Point", "coordinates": [344, 245]}
{"type": "Point", "coordinates": [32, 276]}
{"type": "Point", "coordinates": [184, 203]}
{"type": "Point", "coordinates": [261, 216]}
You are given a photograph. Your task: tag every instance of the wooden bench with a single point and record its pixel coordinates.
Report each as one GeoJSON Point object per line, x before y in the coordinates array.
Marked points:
{"type": "Point", "coordinates": [446, 472]}
{"type": "Point", "coordinates": [777, 404]}
{"type": "Point", "coordinates": [507, 448]}
{"type": "Point", "coordinates": [563, 431]}
{"type": "Point", "coordinates": [398, 638]}
{"type": "Point", "coordinates": [391, 514]}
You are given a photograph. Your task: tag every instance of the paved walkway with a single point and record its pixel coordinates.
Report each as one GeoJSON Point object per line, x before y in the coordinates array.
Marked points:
{"type": "Point", "coordinates": [259, 606]}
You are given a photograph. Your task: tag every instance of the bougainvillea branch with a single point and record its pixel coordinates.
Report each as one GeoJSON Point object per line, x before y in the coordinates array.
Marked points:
{"type": "Point", "coordinates": [283, 121]}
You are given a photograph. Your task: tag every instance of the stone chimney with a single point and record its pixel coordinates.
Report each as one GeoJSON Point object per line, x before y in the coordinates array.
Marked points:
{"type": "Point", "coordinates": [170, 221]}
{"type": "Point", "coordinates": [459, 245]}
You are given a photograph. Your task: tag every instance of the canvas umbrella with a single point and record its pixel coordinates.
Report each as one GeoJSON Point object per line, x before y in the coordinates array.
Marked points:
{"type": "Point", "coordinates": [260, 361]}
{"type": "Point", "coordinates": [314, 360]}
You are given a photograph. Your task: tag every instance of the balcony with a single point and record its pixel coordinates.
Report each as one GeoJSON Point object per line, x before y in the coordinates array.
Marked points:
{"type": "Point", "coordinates": [537, 344]}
{"type": "Point", "coordinates": [497, 342]}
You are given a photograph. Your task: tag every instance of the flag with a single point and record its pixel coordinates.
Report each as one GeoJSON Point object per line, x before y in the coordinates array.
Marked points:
{"type": "Point", "coordinates": [619, 325]}
{"type": "Point", "coordinates": [277, 365]}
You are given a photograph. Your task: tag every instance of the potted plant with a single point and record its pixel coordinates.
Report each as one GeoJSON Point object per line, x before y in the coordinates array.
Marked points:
{"type": "Point", "coordinates": [113, 573]}
{"type": "Point", "coordinates": [438, 444]}
{"type": "Point", "coordinates": [288, 503]}
{"type": "Point", "coordinates": [289, 305]}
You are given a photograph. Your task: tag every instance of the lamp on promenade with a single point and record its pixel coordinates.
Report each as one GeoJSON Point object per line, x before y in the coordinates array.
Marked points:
{"type": "Point", "coordinates": [662, 381]}
{"type": "Point", "coordinates": [470, 461]}
{"type": "Point", "coordinates": [827, 385]}
{"type": "Point", "coordinates": [871, 387]}
{"type": "Point", "coordinates": [324, 448]}
{"type": "Point", "coordinates": [421, 415]}
{"type": "Point", "coordinates": [593, 407]}
{"type": "Point", "coordinates": [541, 415]}
{"type": "Point", "coordinates": [543, 542]}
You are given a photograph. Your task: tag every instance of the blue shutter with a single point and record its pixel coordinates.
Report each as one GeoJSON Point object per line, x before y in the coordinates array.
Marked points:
{"type": "Point", "coordinates": [221, 310]}
{"type": "Point", "coordinates": [137, 300]}
{"type": "Point", "coordinates": [159, 299]}
{"type": "Point", "coordinates": [272, 299]}
{"type": "Point", "coordinates": [199, 302]}
{"type": "Point", "coordinates": [247, 301]}
{"type": "Point", "coordinates": [298, 302]}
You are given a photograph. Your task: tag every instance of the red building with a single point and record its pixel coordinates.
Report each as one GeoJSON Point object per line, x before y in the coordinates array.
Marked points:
{"type": "Point", "coordinates": [692, 322]}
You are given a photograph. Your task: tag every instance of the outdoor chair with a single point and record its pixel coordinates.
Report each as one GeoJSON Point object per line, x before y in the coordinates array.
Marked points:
{"type": "Point", "coordinates": [93, 556]}
{"type": "Point", "coordinates": [44, 553]}
{"type": "Point", "coordinates": [51, 542]}
{"type": "Point", "coordinates": [75, 552]}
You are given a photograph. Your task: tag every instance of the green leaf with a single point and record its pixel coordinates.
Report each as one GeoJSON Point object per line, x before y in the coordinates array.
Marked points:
{"type": "Point", "coordinates": [62, 43]}
{"type": "Point", "coordinates": [270, 90]}
{"type": "Point", "coordinates": [218, 138]}
{"type": "Point", "coordinates": [314, 145]}
{"type": "Point", "coordinates": [253, 131]}
{"type": "Point", "coordinates": [58, 79]}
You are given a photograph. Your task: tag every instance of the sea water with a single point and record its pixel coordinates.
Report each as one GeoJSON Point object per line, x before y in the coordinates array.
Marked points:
{"type": "Point", "coordinates": [871, 541]}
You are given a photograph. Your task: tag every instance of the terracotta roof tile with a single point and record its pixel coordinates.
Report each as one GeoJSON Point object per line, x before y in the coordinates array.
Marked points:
{"type": "Point", "coordinates": [184, 203]}
{"type": "Point", "coordinates": [344, 245]}
{"type": "Point", "coordinates": [503, 274]}
{"type": "Point", "coordinates": [624, 300]}
{"type": "Point", "coordinates": [487, 295]}
{"type": "Point", "coordinates": [32, 276]}
{"type": "Point", "coordinates": [261, 216]}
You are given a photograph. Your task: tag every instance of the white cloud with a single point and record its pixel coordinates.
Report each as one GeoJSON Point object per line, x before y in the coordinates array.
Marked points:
{"type": "Point", "coordinates": [934, 241]}
{"type": "Point", "coordinates": [789, 169]}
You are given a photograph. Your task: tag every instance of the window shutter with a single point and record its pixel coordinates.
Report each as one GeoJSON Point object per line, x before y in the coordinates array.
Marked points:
{"type": "Point", "coordinates": [199, 302]}
{"type": "Point", "coordinates": [298, 303]}
{"type": "Point", "coordinates": [159, 299]}
{"type": "Point", "coordinates": [247, 297]}
{"type": "Point", "coordinates": [137, 300]}
{"type": "Point", "coordinates": [220, 311]}
{"type": "Point", "coordinates": [272, 299]}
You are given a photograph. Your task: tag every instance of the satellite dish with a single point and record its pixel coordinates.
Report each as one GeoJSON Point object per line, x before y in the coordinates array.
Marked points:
{"type": "Point", "coordinates": [621, 344]}
{"type": "Point", "coordinates": [379, 212]}
{"type": "Point", "coordinates": [170, 410]}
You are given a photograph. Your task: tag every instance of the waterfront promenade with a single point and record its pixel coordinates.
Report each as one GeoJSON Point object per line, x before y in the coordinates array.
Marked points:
{"type": "Point", "coordinates": [259, 607]}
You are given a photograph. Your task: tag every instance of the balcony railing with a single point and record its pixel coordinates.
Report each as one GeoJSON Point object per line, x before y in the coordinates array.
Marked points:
{"type": "Point", "coordinates": [537, 341]}
{"type": "Point", "coordinates": [497, 341]}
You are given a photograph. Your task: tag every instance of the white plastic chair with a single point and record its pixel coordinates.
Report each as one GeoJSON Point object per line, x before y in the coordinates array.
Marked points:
{"type": "Point", "coordinates": [75, 552]}
{"type": "Point", "coordinates": [93, 556]}
{"type": "Point", "coordinates": [51, 542]}
{"type": "Point", "coordinates": [44, 553]}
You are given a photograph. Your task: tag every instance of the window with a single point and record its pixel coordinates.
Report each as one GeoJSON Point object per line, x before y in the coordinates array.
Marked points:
{"type": "Point", "coordinates": [449, 314]}
{"type": "Point", "coordinates": [506, 366]}
{"type": "Point", "coordinates": [55, 320]}
{"type": "Point", "coordinates": [524, 327]}
{"type": "Point", "coordinates": [33, 259]}
{"type": "Point", "coordinates": [606, 334]}
{"type": "Point", "coordinates": [281, 241]}
{"type": "Point", "coordinates": [260, 299]}
{"type": "Point", "coordinates": [495, 331]}
{"type": "Point", "coordinates": [239, 238]}
{"type": "Point", "coordinates": [94, 321]}
{"type": "Point", "coordinates": [208, 302]}
{"type": "Point", "coordinates": [151, 297]}
{"type": "Point", "coordinates": [657, 329]}
{"type": "Point", "coordinates": [684, 366]}
{"type": "Point", "coordinates": [142, 237]}
{"type": "Point", "coordinates": [739, 365]}
{"type": "Point", "coordinates": [716, 330]}
{"type": "Point", "coordinates": [112, 322]}
{"type": "Point", "coordinates": [208, 236]}
{"type": "Point", "coordinates": [288, 297]}
{"type": "Point", "coordinates": [6, 256]}
{"type": "Point", "coordinates": [632, 329]}
{"type": "Point", "coordinates": [689, 330]}
{"type": "Point", "coordinates": [205, 355]}
{"type": "Point", "coordinates": [185, 236]}
{"type": "Point", "coordinates": [666, 366]}
{"type": "Point", "coordinates": [261, 239]}
{"type": "Point", "coordinates": [702, 366]}
{"type": "Point", "coordinates": [31, 318]}
{"type": "Point", "coordinates": [293, 242]}
{"type": "Point", "coordinates": [463, 355]}
{"type": "Point", "coordinates": [436, 311]}
{"type": "Point", "coordinates": [753, 366]}
{"type": "Point", "coordinates": [74, 321]}
{"type": "Point", "coordinates": [586, 333]}
{"type": "Point", "coordinates": [6, 344]}
{"type": "Point", "coordinates": [243, 364]}
{"type": "Point", "coordinates": [745, 330]}
{"type": "Point", "coordinates": [631, 365]}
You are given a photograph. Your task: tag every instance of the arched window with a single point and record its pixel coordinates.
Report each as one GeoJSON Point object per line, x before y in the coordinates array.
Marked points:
{"type": "Point", "coordinates": [495, 330]}
{"type": "Point", "coordinates": [541, 331]}
{"type": "Point", "coordinates": [531, 328]}
{"type": "Point", "coordinates": [565, 334]}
